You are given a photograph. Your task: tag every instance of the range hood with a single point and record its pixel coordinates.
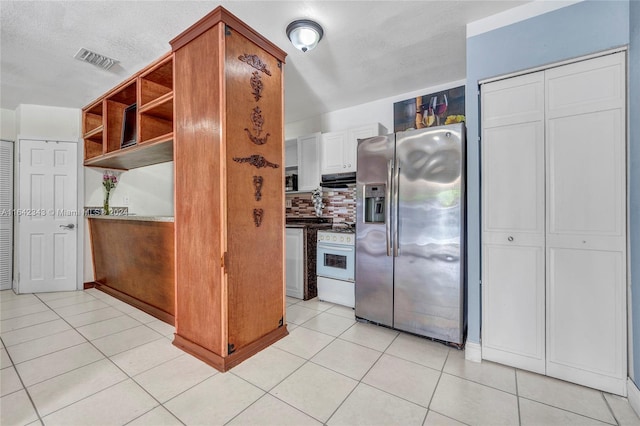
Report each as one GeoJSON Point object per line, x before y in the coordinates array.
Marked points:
{"type": "Point", "coordinates": [338, 180]}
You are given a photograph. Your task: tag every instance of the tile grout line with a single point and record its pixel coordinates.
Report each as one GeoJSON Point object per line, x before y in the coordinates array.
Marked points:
{"type": "Point", "coordinates": [613, 414]}
{"type": "Point", "coordinates": [13, 365]}
{"type": "Point", "coordinates": [105, 357]}
{"type": "Point", "coordinates": [360, 380]}
{"type": "Point", "coordinates": [357, 384]}
{"type": "Point", "coordinates": [569, 411]}
{"type": "Point", "coordinates": [268, 392]}
{"type": "Point", "coordinates": [435, 388]}
{"type": "Point", "coordinates": [515, 376]}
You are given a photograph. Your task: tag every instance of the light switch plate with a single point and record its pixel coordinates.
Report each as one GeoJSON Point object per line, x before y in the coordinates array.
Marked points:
{"type": "Point", "coordinates": [288, 203]}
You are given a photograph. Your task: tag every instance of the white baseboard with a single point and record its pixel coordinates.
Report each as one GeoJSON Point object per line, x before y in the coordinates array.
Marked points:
{"type": "Point", "coordinates": [633, 395]}
{"type": "Point", "coordinates": [473, 352]}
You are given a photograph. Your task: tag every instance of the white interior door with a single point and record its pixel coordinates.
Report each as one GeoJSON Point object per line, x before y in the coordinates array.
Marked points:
{"type": "Point", "coordinates": [513, 300]}
{"type": "Point", "coordinates": [6, 214]}
{"type": "Point", "coordinates": [47, 216]}
{"type": "Point", "coordinates": [586, 223]}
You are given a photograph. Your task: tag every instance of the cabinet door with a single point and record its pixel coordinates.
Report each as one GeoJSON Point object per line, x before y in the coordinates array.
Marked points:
{"type": "Point", "coordinates": [586, 223]}
{"type": "Point", "coordinates": [513, 299]}
{"type": "Point", "coordinates": [332, 147]}
{"type": "Point", "coordinates": [291, 153]}
{"type": "Point", "coordinates": [350, 151]}
{"type": "Point", "coordinates": [295, 262]}
{"type": "Point", "coordinates": [309, 162]}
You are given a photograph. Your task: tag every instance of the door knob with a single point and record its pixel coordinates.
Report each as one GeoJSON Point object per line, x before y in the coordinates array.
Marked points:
{"type": "Point", "coordinates": [69, 226]}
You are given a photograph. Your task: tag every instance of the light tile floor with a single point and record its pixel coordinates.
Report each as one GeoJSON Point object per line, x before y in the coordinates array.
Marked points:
{"type": "Point", "coordinates": [85, 358]}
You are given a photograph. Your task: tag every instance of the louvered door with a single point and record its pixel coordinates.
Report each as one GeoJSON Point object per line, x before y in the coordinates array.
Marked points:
{"type": "Point", "coordinates": [6, 214]}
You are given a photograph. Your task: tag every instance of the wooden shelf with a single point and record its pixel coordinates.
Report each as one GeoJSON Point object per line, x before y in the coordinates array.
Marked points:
{"type": "Point", "coordinates": [156, 118]}
{"type": "Point", "coordinates": [93, 134]}
{"type": "Point", "coordinates": [161, 107]}
{"type": "Point", "coordinates": [157, 82]}
{"type": "Point", "coordinates": [152, 91]}
{"type": "Point", "coordinates": [155, 151]}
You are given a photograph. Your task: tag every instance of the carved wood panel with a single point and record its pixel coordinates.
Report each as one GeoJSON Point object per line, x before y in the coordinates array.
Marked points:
{"type": "Point", "coordinates": [255, 181]}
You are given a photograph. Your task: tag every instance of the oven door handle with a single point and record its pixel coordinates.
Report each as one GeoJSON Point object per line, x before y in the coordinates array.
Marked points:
{"type": "Point", "coordinates": [334, 248]}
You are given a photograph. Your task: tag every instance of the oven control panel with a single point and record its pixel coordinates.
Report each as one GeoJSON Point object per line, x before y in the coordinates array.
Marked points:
{"type": "Point", "coordinates": [341, 238]}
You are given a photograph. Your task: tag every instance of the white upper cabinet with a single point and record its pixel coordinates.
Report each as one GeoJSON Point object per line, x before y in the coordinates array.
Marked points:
{"type": "Point", "coordinates": [309, 162]}
{"type": "Point", "coordinates": [291, 153]}
{"type": "Point", "coordinates": [332, 152]}
{"type": "Point", "coordinates": [338, 150]}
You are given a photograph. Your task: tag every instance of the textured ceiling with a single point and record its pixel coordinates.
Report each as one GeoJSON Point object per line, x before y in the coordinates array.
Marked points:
{"type": "Point", "coordinates": [371, 49]}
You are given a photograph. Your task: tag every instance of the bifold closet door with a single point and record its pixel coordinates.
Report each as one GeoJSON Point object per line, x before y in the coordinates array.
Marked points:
{"type": "Point", "coordinates": [586, 222]}
{"type": "Point", "coordinates": [513, 247]}
{"type": "Point", "coordinates": [554, 222]}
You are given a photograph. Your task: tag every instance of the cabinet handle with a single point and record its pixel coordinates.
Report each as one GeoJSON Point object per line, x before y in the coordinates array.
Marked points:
{"type": "Point", "coordinates": [344, 166]}
{"type": "Point", "coordinates": [510, 238]}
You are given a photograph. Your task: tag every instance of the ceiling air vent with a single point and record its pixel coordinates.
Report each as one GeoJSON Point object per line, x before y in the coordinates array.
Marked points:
{"type": "Point", "coordinates": [94, 58]}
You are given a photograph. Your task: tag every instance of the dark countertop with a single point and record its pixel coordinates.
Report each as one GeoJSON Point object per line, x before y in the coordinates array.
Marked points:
{"type": "Point", "coordinates": [309, 222]}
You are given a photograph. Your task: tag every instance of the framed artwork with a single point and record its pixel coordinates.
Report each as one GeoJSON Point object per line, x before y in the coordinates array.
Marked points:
{"type": "Point", "coordinates": [434, 109]}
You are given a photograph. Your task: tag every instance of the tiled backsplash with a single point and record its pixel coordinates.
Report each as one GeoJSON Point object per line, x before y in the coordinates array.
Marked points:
{"type": "Point", "coordinates": [339, 204]}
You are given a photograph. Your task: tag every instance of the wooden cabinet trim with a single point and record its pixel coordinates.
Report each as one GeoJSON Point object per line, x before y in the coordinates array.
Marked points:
{"type": "Point", "coordinates": [220, 14]}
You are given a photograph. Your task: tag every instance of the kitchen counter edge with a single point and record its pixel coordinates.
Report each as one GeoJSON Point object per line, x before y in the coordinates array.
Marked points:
{"type": "Point", "coordinates": [134, 217]}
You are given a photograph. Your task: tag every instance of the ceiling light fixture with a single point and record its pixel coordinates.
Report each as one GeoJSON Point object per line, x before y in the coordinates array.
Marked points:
{"type": "Point", "coordinates": [304, 34]}
{"type": "Point", "coordinates": [101, 61]}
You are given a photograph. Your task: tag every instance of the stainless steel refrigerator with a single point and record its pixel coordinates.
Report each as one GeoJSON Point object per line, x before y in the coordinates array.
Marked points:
{"type": "Point", "coordinates": [410, 232]}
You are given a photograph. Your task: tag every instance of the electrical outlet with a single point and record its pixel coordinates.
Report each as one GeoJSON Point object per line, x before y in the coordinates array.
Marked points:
{"type": "Point", "coordinates": [125, 200]}
{"type": "Point", "coordinates": [288, 203]}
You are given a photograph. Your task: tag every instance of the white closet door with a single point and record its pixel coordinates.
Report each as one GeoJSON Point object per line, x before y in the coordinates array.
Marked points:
{"type": "Point", "coordinates": [586, 223]}
{"type": "Point", "coordinates": [513, 217]}
{"type": "Point", "coordinates": [6, 214]}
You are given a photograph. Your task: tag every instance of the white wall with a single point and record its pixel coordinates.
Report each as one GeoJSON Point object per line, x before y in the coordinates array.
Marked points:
{"type": "Point", "coordinates": [44, 122]}
{"type": "Point", "coordinates": [380, 111]}
{"type": "Point", "coordinates": [149, 190]}
{"type": "Point", "coordinates": [7, 125]}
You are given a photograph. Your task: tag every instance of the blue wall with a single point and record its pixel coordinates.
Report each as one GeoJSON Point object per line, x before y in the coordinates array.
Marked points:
{"type": "Point", "coordinates": [583, 28]}
{"type": "Point", "coordinates": [634, 178]}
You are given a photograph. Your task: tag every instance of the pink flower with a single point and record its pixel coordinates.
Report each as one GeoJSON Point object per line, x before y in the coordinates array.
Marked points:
{"type": "Point", "coordinates": [109, 181]}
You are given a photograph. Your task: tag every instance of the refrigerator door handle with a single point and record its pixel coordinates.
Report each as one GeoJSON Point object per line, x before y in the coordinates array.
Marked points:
{"type": "Point", "coordinates": [387, 207]}
{"type": "Point", "coordinates": [396, 206]}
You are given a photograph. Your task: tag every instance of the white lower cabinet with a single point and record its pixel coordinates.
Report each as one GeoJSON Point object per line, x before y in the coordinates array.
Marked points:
{"type": "Point", "coordinates": [295, 262]}
{"type": "Point", "coordinates": [554, 222]}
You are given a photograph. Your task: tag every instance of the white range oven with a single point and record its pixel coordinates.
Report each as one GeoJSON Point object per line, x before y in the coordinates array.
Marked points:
{"type": "Point", "coordinates": [335, 266]}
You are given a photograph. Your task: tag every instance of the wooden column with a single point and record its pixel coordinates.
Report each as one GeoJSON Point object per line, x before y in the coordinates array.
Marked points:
{"type": "Point", "coordinates": [229, 190]}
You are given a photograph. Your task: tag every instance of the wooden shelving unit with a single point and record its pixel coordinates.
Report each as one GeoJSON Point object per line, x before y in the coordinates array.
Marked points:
{"type": "Point", "coordinates": [155, 102]}
{"type": "Point", "coordinates": [221, 79]}
{"type": "Point", "coordinates": [92, 122]}
{"type": "Point", "coordinates": [152, 91]}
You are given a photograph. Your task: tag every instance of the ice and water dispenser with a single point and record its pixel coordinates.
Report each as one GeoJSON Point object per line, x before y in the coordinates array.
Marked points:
{"type": "Point", "coordinates": [374, 203]}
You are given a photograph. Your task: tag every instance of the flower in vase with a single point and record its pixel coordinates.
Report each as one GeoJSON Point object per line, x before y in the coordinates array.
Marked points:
{"type": "Point", "coordinates": [109, 182]}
